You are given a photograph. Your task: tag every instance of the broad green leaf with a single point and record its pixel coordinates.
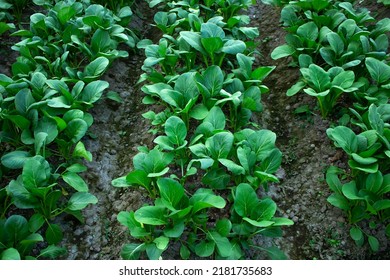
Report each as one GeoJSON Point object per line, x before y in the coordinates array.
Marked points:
{"type": "Point", "coordinates": [272, 162]}
{"type": "Point", "coordinates": [171, 192]}
{"type": "Point", "coordinates": [184, 252]}
{"type": "Point", "coordinates": [174, 232]}
{"type": "Point", "coordinates": [247, 158]}
{"type": "Point", "coordinates": [17, 228]}
{"type": "Point", "coordinates": [374, 182]}
{"type": "Point", "coordinates": [356, 233]}
{"type": "Point", "coordinates": [245, 63]}
{"type": "Point", "coordinates": [15, 159]}
{"type": "Point", "coordinates": [317, 77]}
{"type": "Point", "coordinates": [275, 253]}
{"type": "Point", "coordinates": [193, 39]}
{"type": "Point", "coordinates": [132, 251]}
{"type": "Point", "coordinates": [93, 91]}
{"type": "Point", "coordinates": [204, 249]}
{"type": "Point", "coordinates": [153, 252]}
{"type": "Point", "coordinates": [210, 30]}
{"type": "Point", "coordinates": [224, 247]}
{"type": "Point", "coordinates": [223, 227]}
{"type": "Point", "coordinates": [161, 242]}
{"type": "Point", "coordinates": [265, 210]}
{"type": "Point", "coordinates": [19, 121]}
{"type": "Point", "coordinates": [36, 172]}
{"type": "Point", "coordinates": [65, 14]}
{"type": "Point", "coordinates": [76, 129]}
{"type": "Point", "coordinates": [216, 178]}
{"type": "Point", "coordinates": [52, 252]}
{"type": "Point", "coordinates": [336, 43]}
{"type": "Point", "coordinates": [49, 127]}
{"type": "Point", "coordinates": [36, 222]}
{"type": "Point", "coordinates": [211, 81]}
{"type": "Point", "coordinates": [232, 166]}
{"type": "Point", "coordinates": [344, 80]}
{"type": "Point", "coordinates": [363, 160]}
{"type": "Point", "coordinates": [333, 180]}
{"type": "Point", "coordinates": [127, 219]}
{"type": "Point", "coordinates": [234, 47]}
{"type": "Point", "coordinates": [261, 73]}
{"type": "Point", "coordinates": [212, 45]}
{"type": "Point", "coordinates": [296, 88]}
{"type": "Point", "coordinates": [154, 162]}
{"type": "Point", "coordinates": [138, 177]}
{"type": "Point", "coordinates": [10, 254]}
{"type": "Point", "coordinates": [215, 120]}
{"type": "Point", "coordinates": [261, 142]}
{"type": "Point", "coordinates": [151, 215]}
{"type": "Point", "coordinates": [22, 198]}
{"type": "Point", "coordinates": [205, 198]}
{"type": "Point", "coordinates": [308, 31]}
{"type": "Point", "coordinates": [282, 51]}
{"type": "Point", "coordinates": [23, 100]}
{"type": "Point", "coordinates": [75, 181]}
{"type": "Point", "coordinates": [370, 168]}
{"type": "Point", "coordinates": [80, 200]}
{"type": "Point", "coordinates": [186, 85]}
{"type": "Point", "coordinates": [199, 112]}
{"type": "Point", "coordinates": [96, 67]}
{"type": "Point", "coordinates": [374, 243]}
{"type": "Point", "coordinates": [80, 151]}
{"type": "Point", "coordinates": [220, 145]}
{"type": "Point", "coordinates": [261, 224]}
{"type": "Point", "coordinates": [245, 200]}
{"type": "Point", "coordinates": [344, 138]}
{"type": "Point", "coordinates": [339, 201]}
{"type": "Point", "coordinates": [176, 130]}
{"type": "Point", "coordinates": [54, 234]}
{"type": "Point", "coordinates": [77, 168]}
{"type": "Point", "coordinates": [350, 191]}
{"type": "Point", "coordinates": [379, 70]}
{"type": "Point", "coordinates": [100, 41]}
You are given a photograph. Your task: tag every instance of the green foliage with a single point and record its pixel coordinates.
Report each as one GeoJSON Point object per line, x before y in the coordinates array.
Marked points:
{"type": "Point", "coordinates": [201, 75]}
{"type": "Point", "coordinates": [337, 35]}
{"type": "Point", "coordinates": [326, 86]}
{"type": "Point", "coordinates": [19, 236]}
{"type": "Point", "coordinates": [43, 118]}
{"type": "Point", "coordinates": [343, 51]}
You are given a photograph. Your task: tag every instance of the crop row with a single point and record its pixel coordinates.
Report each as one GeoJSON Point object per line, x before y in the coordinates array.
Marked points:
{"type": "Point", "coordinates": [342, 53]}
{"type": "Point", "coordinates": [43, 118]}
{"type": "Point", "coordinates": [208, 163]}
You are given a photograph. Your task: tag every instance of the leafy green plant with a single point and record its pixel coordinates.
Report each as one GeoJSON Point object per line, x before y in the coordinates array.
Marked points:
{"type": "Point", "coordinates": [5, 17]}
{"type": "Point", "coordinates": [148, 167]}
{"type": "Point", "coordinates": [171, 217]}
{"type": "Point", "coordinates": [363, 198]}
{"type": "Point", "coordinates": [93, 31]}
{"type": "Point", "coordinates": [326, 86]}
{"type": "Point", "coordinates": [212, 43]}
{"type": "Point", "coordinates": [43, 118]}
{"type": "Point", "coordinates": [198, 126]}
{"type": "Point", "coordinates": [368, 150]}
{"type": "Point", "coordinates": [19, 236]}
{"type": "Point", "coordinates": [252, 216]}
{"type": "Point", "coordinates": [375, 90]}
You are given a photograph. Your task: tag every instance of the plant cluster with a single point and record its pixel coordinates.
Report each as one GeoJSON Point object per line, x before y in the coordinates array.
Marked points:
{"type": "Point", "coordinates": [343, 50]}
{"type": "Point", "coordinates": [43, 118]}
{"type": "Point", "coordinates": [208, 163]}
{"type": "Point", "coordinates": [6, 17]}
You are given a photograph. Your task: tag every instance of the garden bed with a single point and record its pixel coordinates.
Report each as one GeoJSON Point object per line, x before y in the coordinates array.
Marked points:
{"type": "Point", "coordinates": [320, 231]}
